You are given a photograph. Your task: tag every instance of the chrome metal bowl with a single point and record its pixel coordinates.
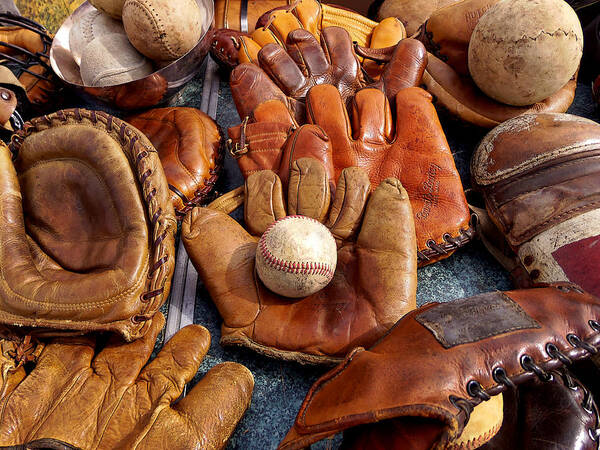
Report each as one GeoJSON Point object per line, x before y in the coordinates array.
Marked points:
{"type": "Point", "coordinates": [146, 92]}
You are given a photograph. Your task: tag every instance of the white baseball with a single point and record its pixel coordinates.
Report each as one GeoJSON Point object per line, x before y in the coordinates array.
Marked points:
{"type": "Point", "coordinates": [296, 256]}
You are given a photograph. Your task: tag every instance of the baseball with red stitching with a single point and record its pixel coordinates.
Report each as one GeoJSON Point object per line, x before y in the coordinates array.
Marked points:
{"type": "Point", "coordinates": [296, 256]}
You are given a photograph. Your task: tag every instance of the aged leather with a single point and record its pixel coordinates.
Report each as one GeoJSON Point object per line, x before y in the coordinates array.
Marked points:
{"type": "Point", "coordinates": [87, 228]}
{"type": "Point", "coordinates": [274, 26]}
{"type": "Point", "coordinates": [537, 175]}
{"type": "Point", "coordinates": [190, 148]}
{"type": "Point", "coordinates": [373, 286]}
{"type": "Point", "coordinates": [382, 142]}
{"type": "Point", "coordinates": [287, 76]}
{"type": "Point", "coordinates": [446, 34]}
{"type": "Point", "coordinates": [411, 147]}
{"type": "Point", "coordinates": [83, 394]}
{"type": "Point", "coordinates": [461, 97]}
{"type": "Point", "coordinates": [429, 371]}
{"type": "Point", "coordinates": [242, 15]}
{"type": "Point", "coordinates": [556, 414]}
{"type": "Point", "coordinates": [412, 13]}
{"type": "Point", "coordinates": [25, 48]}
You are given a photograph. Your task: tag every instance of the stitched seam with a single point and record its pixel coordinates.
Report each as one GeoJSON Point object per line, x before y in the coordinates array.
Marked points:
{"type": "Point", "coordinates": [305, 268]}
{"type": "Point", "coordinates": [159, 224]}
{"type": "Point", "coordinates": [143, 7]}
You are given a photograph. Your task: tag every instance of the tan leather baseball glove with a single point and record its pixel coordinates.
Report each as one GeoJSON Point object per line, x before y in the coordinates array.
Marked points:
{"type": "Point", "coordinates": [374, 282]}
{"type": "Point", "coordinates": [87, 228]}
{"type": "Point", "coordinates": [80, 394]}
{"type": "Point", "coordinates": [231, 47]}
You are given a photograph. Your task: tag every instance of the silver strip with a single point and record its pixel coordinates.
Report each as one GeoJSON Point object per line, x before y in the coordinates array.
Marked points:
{"type": "Point", "coordinates": [185, 278]}
{"type": "Point", "coordinates": [244, 16]}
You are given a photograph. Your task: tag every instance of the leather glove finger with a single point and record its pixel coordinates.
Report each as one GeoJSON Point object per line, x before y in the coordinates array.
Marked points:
{"type": "Point", "coordinates": [388, 239]}
{"type": "Point", "coordinates": [164, 378]}
{"type": "Point", "coordinates": [280, 22]}
{"type": "Point", "coordinates": [339, 50]}
{"type": "Point", "coordinates": [308, 141]}
{"type": "Point", "coordinates": [248, 50]}
{"type": "Point", "coordinates": [308, 189]}
{"type": "Point", "coordinates": [58, 365]}
{"type": "Point", "coordinates": [387, 33]}
{"type": "Point", "coordinates": [307, 53]}
{"type": "Point", "coordinates": [250, 87]}
{"type": "Point", "coordinates": [348, 204]}
{"type": "Point", "coordinates": [283, 70]}
{"type": "Point", "coordinates": [405, 69]}
{"type": "Point", "coordinates": [215, 404]}
{"type": "Point", "coordinates": [125, 361]}
{"type": "Point", "coordinates": [263, 201]}
{"type": "Point", "coordinates": [325, 107]}
{"type": "Point", "coordinates": [308, 12]}
{"type": "Point", "coordinates": [434, 185]}
{"type": "Point", "coordinates": [372, 117]}
{"type": "Point", "coordinates": [223, 253]}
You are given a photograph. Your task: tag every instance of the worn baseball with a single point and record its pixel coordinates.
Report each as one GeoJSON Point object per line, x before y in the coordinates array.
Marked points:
{"type": "Point", "coordinates": [111, 7]}
{"type": "Point", "coordinates": [523, 51]}
{"type": "Point", "coordinates": [110, 60]}
{"type": "Point", "coordinates": [88, 27]}
{"type": "Point", "coordinates": [296, 256]}
{"type": "Point", "coordinates": [164, 30]}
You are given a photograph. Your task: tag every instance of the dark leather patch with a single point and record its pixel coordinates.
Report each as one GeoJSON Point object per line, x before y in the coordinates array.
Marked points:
{"type": "Point", "coordinates": [475, 318]}
{"type": "Point", "coordinates": [580, 261]}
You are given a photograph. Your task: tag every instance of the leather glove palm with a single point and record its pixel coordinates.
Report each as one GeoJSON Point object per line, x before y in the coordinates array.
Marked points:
{"type": "Point", "coordinates": [75, 398]}
{"type": "Point", "coordinates": [375, 279]}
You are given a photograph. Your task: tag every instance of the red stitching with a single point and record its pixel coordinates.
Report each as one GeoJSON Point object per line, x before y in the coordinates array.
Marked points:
{"type": "Point", "coordinates": [305, 268]}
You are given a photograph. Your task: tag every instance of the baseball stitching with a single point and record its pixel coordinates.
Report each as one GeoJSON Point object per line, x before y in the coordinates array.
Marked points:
{"type": "Point", "coordinates": [305, 268]}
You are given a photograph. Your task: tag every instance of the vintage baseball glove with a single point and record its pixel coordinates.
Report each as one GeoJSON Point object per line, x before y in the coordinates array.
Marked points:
{"type": "Point", "coordinates": [231, 48]}
{"type": "Point", "coordinates": [287, 76]}
{"type": "Point", "coordinates": [25, 48]}
{"type": "Point", "coordinates": [538, 177]}
{"type": "Point", "coordinates": [191, 150]}
{"type": "Point", "coordinates": [446, 35]}
{"type": "Point", "coordinates": [425, 376]}
{"type": "Point", "coordinates": [82, 394]}
{"type": "Point", "coordinates": [374, 282]}
{"type": "Point", "coordinates": [370, 140]}
{"type": "Point", "coordinates": [87, 229]}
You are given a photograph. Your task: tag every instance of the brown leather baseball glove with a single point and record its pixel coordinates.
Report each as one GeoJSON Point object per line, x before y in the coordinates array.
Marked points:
{"type": "Point", "coordinates": [446, 35]}
{"type": "Point", "coordinates": [425, 376]}
{"type": "Point", "coordinates": [191, 150]}
{"type": "Point", "coordinates": [231, 48]}
{"type": "Point", "coordinates": [87, 229]}
{"type": "Point", "coordinates": [374, 282]}
{"type": "Point", "coordinates": [80, 394]}
{"type": "Point", "coordinates": [25, 48]}
{"type": "Point", "coordinates": [275, 102]}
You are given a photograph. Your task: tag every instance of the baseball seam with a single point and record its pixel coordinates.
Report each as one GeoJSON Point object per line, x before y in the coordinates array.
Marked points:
{"type": "Point", "coordinates": [158, 28]}
{"type": "Point", "coordinates": [304, 268]}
